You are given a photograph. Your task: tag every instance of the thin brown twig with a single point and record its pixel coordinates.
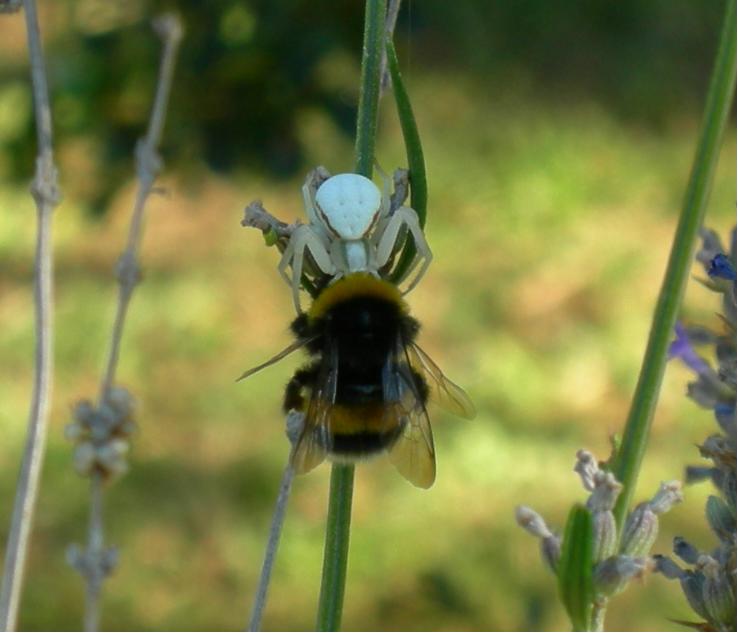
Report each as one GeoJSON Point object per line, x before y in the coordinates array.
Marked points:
{"type": "Point", "coordinates": [45, 191]}
{"type": "Point", "coordinates": [148, 166]}
{"type": "Point", "coordinates": [95, 571]}
{"type": "Point", "coordinates": [270, 554]}
{"type": "Point", "coordinates": [294, 425]}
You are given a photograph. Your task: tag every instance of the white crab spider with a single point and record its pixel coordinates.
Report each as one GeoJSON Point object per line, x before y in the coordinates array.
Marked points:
{"type": "Point", "coordinates": [352, 228]}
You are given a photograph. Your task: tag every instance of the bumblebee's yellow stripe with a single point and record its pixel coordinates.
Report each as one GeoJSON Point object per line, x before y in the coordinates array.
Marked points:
{"type": "Point", "coordinates": [372, 418]}
{"type": "Point", "coordinates": [355, 285]}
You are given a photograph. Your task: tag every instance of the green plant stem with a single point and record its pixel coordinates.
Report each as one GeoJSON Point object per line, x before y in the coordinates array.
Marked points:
{"type": "Point", "coordinates": [338, 525]}
{"type": "Point", "coordinates": [371, 66]}
{"type": "Point", "coordinates": [335, 558]}
{"type": "Point", "coordinates": [719, 99]}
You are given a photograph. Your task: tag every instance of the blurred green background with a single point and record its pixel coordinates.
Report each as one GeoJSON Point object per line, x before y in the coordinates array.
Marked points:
{"type": "Point", "coordinates": [558, 139]}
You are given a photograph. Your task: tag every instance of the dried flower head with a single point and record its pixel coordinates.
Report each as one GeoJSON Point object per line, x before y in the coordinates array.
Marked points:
{"type": "Point", "coordinates": [102, 433]}
{"type": "Point", "coordinates": [616, 558]}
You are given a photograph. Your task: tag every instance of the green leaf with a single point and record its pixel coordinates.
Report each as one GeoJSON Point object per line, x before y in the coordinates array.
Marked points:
{"type": "Point", "coordinates": [575, 568]}
{"type": "Point", "coordinates": [415, 158]}
{"type": "Point", "coordinates": [270, 237]}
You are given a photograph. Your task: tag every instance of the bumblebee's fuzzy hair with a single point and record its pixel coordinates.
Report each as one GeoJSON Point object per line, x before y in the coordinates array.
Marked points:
{"type": "Point", "coordinates": [350, 298]}
{"type": "Point", "coordinates": [356, 285]}
{"type": "Point", "coordinates": [364, 322]}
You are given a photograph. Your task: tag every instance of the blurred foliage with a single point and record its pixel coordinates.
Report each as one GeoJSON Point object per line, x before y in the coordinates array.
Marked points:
{"type": "Point", "coordinates": [251, 69]}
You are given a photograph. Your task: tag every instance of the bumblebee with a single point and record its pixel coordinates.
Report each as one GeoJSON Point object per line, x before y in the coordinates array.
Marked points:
{"type": "Point", "coordinates": [367, 384]}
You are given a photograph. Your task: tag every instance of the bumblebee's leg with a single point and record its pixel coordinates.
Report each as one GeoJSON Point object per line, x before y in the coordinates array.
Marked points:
{"type": "Point", "coordinates": [404, 217]}
{"type": "Point", "coordinates": [293, 393]}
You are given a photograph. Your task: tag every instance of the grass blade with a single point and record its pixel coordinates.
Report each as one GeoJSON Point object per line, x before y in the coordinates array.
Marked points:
{"type": "Point", "coordinates": [415, 158]}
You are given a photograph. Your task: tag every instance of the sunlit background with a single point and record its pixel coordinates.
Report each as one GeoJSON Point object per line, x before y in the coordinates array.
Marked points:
{"type": "Point", "coordinates": [558, 140]}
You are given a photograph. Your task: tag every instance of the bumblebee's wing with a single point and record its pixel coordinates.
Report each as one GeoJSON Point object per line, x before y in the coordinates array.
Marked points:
{"type": "Point", "coordinates": [447, 393]}
{"type": "Point", "coordinates": [293, 347]}
{"type": "Point", "coordinates": [315, 440]}
{"type": "Point", "coordinates": [412, 453]}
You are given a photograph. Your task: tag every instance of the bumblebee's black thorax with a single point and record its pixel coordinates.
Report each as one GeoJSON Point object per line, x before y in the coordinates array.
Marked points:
{"type": "Point", "coordinates": [367, 324]}
{"type": "Point", "coordinates": [360, 334]}
{"type": "Point", "coordinates": [357, 329]}
{"type": "Point", "coordinates": [358, 323]}
{"type": "Point", "coordinates": [358, 313]}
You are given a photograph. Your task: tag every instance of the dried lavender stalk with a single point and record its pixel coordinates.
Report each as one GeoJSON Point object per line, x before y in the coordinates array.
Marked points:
{"type": "Point", "coordinates": [45, 192]}
{"type": "Point", "coordinates": [101, 432]}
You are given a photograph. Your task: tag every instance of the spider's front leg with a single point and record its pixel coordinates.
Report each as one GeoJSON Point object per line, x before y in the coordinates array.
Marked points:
{"type": "Point", "coordinates": [394, 190]}
{"type": "Point", "coordinates": [314, 179]}
{"type": "Point", "coordinates": [303, 239]}
{"type": "Point", "coordinates": [391, 202]}
{"type": "Point", "coordinates": [387, 240]}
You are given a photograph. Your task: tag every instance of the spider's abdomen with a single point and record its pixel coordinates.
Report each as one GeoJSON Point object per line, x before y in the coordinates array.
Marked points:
{"type": "Point", "coordinates": [348, 204]}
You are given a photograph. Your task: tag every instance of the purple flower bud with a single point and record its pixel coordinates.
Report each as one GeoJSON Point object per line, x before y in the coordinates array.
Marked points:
{"type": "Point", "coordinates": [725, 414]}
{"type": "Point", "coordinates": [695, 474]}
{"type": "Point", "coordinates": [721, 267]}
{"type": "Point", "coordinates": [667, 567]}
{"type": "Point", "coordinates": [685, 550]}
{"type": "Point", "coordinates": [681, 348]}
